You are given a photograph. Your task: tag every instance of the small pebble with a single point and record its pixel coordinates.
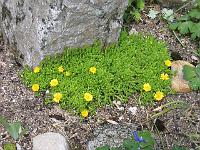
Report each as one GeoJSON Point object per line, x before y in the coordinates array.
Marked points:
{"type": "Point", "coordinates": [121, 108]}
{"type": "Point", "coordinates": [194, 57]}
{"type": "Point", "coordinates": [132, 110]}
{"type": "Point", "coordinates": [121, 118]}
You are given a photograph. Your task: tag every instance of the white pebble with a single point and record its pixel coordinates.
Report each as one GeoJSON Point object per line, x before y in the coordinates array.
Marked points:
{"type": "Point", "coordinates": [133, 110]}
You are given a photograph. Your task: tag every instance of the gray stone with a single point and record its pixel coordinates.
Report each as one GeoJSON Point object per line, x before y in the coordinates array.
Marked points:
{"type": "Point", "coordinates": [34, 29]}
{"type": "Point", "coordinates": [50, 141]}
{"type": "Point", "coordinates": [109, 134]}
{"type": "Point", "coordinates": [18, 146]}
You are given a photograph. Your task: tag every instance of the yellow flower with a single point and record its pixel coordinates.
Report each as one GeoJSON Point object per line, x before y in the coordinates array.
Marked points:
{"type": "Point", "coordinates": [57, 97]}
{"type": "Point", "coordinates": [88, 97]}
{"type": "Point", "coordinates": [60, 69]}
{"type": "Point", "coordinates": [164, 76]}
{"type": "Point", "coordinates": [159, 95]}
{"type": "Point", "coordinates": [67, 73]}
{"type": "Point", "coordinates": [147, 87]}
{"type": "Point", "coordinates": [36, 69]}
{"type": "Point", "coordinates": [54, 82]}
{"type": "Point", "coordinates": [168, 63]}
{"type": "Point", "coordinates": [35, 87]}
{"type": "Point", "coordinates": [93, 70]}
{"type": "Point", "coordinates": [84, 113]}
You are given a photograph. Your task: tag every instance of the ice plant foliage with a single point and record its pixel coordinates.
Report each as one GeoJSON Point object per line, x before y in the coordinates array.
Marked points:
{"type": "Point", "coordinates": [93, 70]}
{"type": "Point", "coordinates": [61, 69]}
{"type": "Point", "coordinates": [164, 76]}
{"type": "Point", "coordinates": [35, 87]}
{"type": "Point", "coordinates": [54, 82]}
{"type": "Point", "coordinates": [89, 79]}
{"type": "Point", "coordinates": [88, 97]}
{"type": "Point", "coordinates": [159, 95]}
{"type": "Point", "coordinates": [84, 113]}
{"type": "Point", "coordinates": [36, 69]}
{"type": "Point", "coordinates": [67, 73]}
{"type": "Point", "coordinates": [168, 63]}
{"type": "Point", "coordinates": [57, 97]}
{"type": "Point", "coordinates": [147, 87]}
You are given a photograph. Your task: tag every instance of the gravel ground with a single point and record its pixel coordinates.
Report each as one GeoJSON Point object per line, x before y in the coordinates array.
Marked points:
{"type": "Point", "coordinates": [18, 103]}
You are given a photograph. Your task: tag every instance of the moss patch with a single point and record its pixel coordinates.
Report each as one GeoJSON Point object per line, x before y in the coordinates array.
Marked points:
{"type": "Point", "coordinates": [120, 71]}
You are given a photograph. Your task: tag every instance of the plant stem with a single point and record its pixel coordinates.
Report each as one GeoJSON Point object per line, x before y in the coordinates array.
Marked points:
{"type": "Point", "coordinates": [176, 105]}
{"type": "Point", "coordinates": [173, 102]}
{"type": "Point", "coordinates": [178, 39]}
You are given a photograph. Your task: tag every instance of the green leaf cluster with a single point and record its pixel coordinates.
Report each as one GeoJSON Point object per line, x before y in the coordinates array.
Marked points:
{"type": "Point", "coordinates": [133, 12]}
{"type": "Point", "coordinates": [192, 74]}
{"type": "Point", "coordinates": [14, 129]}
{"type": "Point", "coordinates": [122, 69]}
{"type": "Point", "coordinates": [189, 23]}
{"type": "Point", "coordinates": [131, 144]}
{"type": "Point", "coordinates": [152, 14]}
{"type": "Point", "coordinates": [167, 14]}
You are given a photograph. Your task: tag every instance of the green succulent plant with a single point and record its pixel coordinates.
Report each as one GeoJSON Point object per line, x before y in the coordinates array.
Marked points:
{"type": "Point", "coordinates": [14, 128]}
{"type": "Point", "coordinates": [9, 146]}
{"type": "Point", "coordinates": [122, 70]}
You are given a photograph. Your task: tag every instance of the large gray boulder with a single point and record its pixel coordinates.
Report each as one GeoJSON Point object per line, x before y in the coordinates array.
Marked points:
{"type": "Point", "coordinates": [36, 28]}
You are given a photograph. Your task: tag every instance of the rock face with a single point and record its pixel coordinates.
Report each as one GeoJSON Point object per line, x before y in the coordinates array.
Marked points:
{"type": "Point", "coordinates": [178, 83]}
{"type": "Point", "coordinates": [50, 141]}
{"type": "Point", "coordinates": [35, 29]}
{"type": "Point", "coordinates": [110, 134]}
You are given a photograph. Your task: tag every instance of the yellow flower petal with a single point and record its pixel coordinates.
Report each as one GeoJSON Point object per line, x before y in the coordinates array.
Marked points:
{"type": "Point", "coordinates": [36, 69]}
{"type": "Point", "coordinates": [35, 87]}
{"type": "Point", "coordinates": [84, 113]}
{"type": "Point", "coordinates": [93, 70]}
{"type": "Point", "coordinates": [147, 87]}
{"type": "Point", "coordinates": [159, 95]}
{"type": "Point", "coordinates": [168, 63]}
{"type": "Point", "coordinates": [88, 97]}
{"type": "Point", "coordinates": [164, 76]}
{"type": "Point", "coordinates": [57, 97]}
{"type": "Point", "coordinates": [54, 82]}
{"type": "Point", "coordinates": [60, 69]}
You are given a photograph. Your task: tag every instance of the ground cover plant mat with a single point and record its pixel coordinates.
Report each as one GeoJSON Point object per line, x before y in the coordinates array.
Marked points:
{"type": "Point", "coordinates": [81, 80]}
